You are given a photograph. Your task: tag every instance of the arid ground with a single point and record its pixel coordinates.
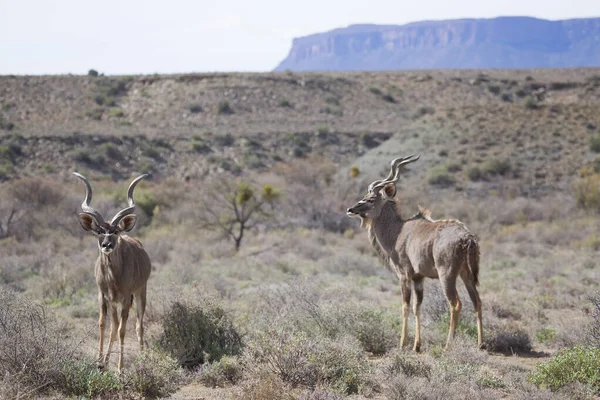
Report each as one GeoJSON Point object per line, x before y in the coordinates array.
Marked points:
{"type": "Point", "coordinates": [303, 309]}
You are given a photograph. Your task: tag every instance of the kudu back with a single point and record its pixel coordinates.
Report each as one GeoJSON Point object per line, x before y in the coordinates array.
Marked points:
{"type": "Point", "coordinates": [122, 270]}
{"type": "Point", "coordinates": [420, 247]}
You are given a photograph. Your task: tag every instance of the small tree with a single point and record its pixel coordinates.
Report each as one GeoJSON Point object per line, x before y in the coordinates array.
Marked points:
{"type": "Point", "coordinates": [236, 207]}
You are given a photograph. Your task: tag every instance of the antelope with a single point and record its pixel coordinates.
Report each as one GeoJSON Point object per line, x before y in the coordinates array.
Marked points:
{"type": "Point", "coordinates": [420, 247]}
{"type": "Point", "coordinates": [122, 269]}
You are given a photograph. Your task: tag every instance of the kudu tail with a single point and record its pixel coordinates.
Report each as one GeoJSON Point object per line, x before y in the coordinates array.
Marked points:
{"type": "Point", "coordinates": [473, 257]}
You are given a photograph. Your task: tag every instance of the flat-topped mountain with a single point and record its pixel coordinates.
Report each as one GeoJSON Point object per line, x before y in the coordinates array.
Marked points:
{"type": "Point", "coordinates": [504, 42]}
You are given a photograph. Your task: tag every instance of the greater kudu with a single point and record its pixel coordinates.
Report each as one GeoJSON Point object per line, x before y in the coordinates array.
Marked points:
{"type": "Point", "coordinates": [122, 269]}
{"type": "Point", "coordinates": [418, 248]}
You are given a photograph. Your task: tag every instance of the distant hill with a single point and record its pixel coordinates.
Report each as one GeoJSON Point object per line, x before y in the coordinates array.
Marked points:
{"type": "Point", "coordinates": [504, 42]}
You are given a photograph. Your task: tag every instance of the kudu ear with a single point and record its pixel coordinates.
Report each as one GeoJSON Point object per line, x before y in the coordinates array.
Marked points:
{"type": "Point", "coordinates": [389, 191]}
{"type": "Point", "coordinates": [88, 222]}
{"type": "Point", "coordinates": [127, 223]}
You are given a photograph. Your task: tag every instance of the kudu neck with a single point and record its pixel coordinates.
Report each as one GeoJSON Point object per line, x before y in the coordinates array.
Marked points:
{"type": "Point", "coordinates": [387, 225]}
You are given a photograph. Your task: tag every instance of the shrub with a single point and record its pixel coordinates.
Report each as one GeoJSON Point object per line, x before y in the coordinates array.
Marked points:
{"type": "Point", "coordinates": [224, 108]}
{"type": "Point", "coordinates": [587, 191]}
{"type": "Point", "coordinates": [529, 103]}
{"type": "Point", "coordinates": [301, 360]}
{"type": "Point", "coordinates": [31, 344]}
{"type": "Point", "coordinates": [96, 113]}
{"type": "Point", "coordinates": [595, 331]}
{"type": "Point", "coordinates": [595, 143]}
{"type": "Point", "coordinates": [497, 167]}
{"type": "Point", "coordinates": [285, 103]}
{"type": "Point", "coordinates": [200, 146]}
{"type": "Point", "coordinates": [440, 176]}
{"type": "Point", "coordinates": [116, 113]}
{"type": "Point", "coordinates": [474, 173]}
{"type": "Point", "coordinates": [225, 140]}
{"type": "Point", "coordinates": [421, 111]}
{"type": "Point", "coordinates": [407, 365]}
{"type": "Point", "coordinates": [195, 108]}
{"type": "Point", "coordinates": [508, 340]}
{"type": "Point", "coordinates": [83, 378]}
{"type": "Point", "coordinates": [354, 171]}
{"type": "Point", "coordinates": [545, 335]}
{"type": "Point", "coordinates": [195, 334]}
{"type": "Point", "coordinates": [375, 91]}
{"type": "Point", "coordinates": [10, 152]}
{"type": "Point", "coordinates": [153, 374]}
{"type": "Point", "coordinates": [495, 89]}
{"type": "Point", "coordinates": [578, 364]}
{"type": "Point", "coordinates": [389, 98]}
{"type": "Point", "coordinates": [507, 97]}
{"type": "Point", "coordinates": [92, 73]}
{"type": "Point", "coordinates": [217, 374]}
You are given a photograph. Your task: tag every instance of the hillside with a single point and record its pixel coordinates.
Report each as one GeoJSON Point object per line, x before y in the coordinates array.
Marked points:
{"type": "Point", "coordinates": [504, 42]}
{"type": "Point", "coordinates": [187, 125]}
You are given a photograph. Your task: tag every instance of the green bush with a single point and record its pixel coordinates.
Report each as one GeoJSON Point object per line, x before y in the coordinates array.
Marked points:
{"type": "Point", "coordinates": [375, 91]}
{"type": "Point", "coordinates": [545, 335]}
{"type": "Point", "coordinates": [224, 108]}
{"type": "Point", "coordinates": [83, 378]}
{"type": "Point", "coordinates": [354, 171]}
{"type": "Point", "coordinates": [95, 113]}
{"type": "Point", "coordinates": [495, 89]}
{"type": "Point", "coordinates": [224, 140]}
{"type": "Point", "coordinates": [578, 364]}
{"type": "Point", "coordinates": [153, 374]}
{"type": "Point", "coordinates": [440, 176]}
{"type": "Point", "coordinates": [285, 103]}
{"type": "Point", "coordinates": [595, 143]}
{"type": "Point", "coordinates": [9, 153]}
{"type": "Point", "coordinates": [529, 103]}
{"type": "Point", "coordinates": [587, 192]}
{"type": "Point", "coordinates": [497, 167]}
{"type": "Point", "coordinates": [474, 173]}
{"type": "Point", "coordinates": [200, 146]}
{"type": "Point", "coordinates": [92, 73]}
{"type": "Point", "coordinates": [195, 334]}
{"type": "Point", "coordinates": [116, 113]}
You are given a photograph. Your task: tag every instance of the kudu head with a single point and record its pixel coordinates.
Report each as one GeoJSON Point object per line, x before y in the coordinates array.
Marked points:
{"type": "Point", "coordinates": [380, 191]}
{"type": "Point", "coordinates": [107, 232]}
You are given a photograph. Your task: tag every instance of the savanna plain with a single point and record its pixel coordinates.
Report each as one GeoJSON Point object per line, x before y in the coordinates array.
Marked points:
{"type": "Point", "coordinates": [261, 286]}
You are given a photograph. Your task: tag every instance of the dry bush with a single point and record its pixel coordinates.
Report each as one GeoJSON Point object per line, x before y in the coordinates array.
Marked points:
{"type": "Point", "coordinates": [197, 333]}
{"type": "Point", "coordinates": [320, 394]}
{"type": "Point", "coordinates": [264, 385]}
{"type": "Point", "coordinates": [301, 360]}
{"type": "Point", "coordinates": [31, 343]}
{"type": "Point", "coordinates": [228, 370]}
{"type": "Point", "coordinates": [153, 374]}
{"type": "Point", "coordinates": [508, 339]}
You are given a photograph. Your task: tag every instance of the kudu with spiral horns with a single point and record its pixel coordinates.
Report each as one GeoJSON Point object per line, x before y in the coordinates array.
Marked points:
{"type": "Point", "coordinates": [420, 247]}
{"type": "Point", "coordinates": [122, 269]}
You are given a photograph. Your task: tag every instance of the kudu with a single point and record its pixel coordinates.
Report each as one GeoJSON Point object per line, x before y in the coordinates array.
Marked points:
{"type": "Point", "coordinates": [420, 247]}
{"type": "Point", "coordinates": [122, 269]}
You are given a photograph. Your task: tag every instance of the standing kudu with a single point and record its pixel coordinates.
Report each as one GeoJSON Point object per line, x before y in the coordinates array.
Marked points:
{"type": "Point", "coordinates": [122, 269]}
{"type": "Point", "coordinates": [418, 248]}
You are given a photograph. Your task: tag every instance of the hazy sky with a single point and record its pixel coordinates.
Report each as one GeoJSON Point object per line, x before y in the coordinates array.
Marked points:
{"type": "Point", "coordinates": [169, 36]}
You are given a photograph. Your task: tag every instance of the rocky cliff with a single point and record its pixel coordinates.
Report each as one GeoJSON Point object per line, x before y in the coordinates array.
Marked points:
{"type": "Point", "coordinates": [505, 42]}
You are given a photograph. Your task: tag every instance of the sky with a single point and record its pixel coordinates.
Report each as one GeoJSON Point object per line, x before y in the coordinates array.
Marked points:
{"type": "Point", "coordinates": [176, 36]}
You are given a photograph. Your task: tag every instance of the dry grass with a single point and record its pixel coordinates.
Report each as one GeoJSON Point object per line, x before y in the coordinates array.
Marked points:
{"type": "Point", "coordinates": [306, 280]}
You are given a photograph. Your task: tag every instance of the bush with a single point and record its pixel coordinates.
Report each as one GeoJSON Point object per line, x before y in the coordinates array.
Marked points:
{"type": "Point", "coordinates": [440, 176]}
{"type": "Point", "coordinates": [474, 173]}
{"type": "Point", "coordinates": [195, 108]}
{"type": "Point", "coordinates": [83, 378]}
{"type": "Point", "coordinates": [153, 374]}
{"type": "Point", "coordinates": [407, 365]}
{"type": "Point", "coordinates": [495, 89]}
{"type": "Point", "coordinates": [285, 103]}
{"type": "Point", "coordinates": [578, 364]}
{"type": "Point", "coordinates": [301, 360]}
{"type": "Point", "coordinates": [587, 192]}
{"type": "Point", "coordinates": [195, 334]}
{"type": "Point", "coordinates": [31, 344]}
{"type": "Point", "coordinates": [529, 103]}
{"type": "Point", "coordinates": [217, 374]}
{"type": "Point", "coordinates": [354, 171]}
{"type": "Point", "coordinates": [92, 73]}
{"type": "Point", "coordinates": [595, 300]}
{"type": "Point", "coordinates": [200, 146]}
{"type": "Point", "coordinates": [595, 143]}
{"type": "Point", "coordinates": [116, 113]}
{"type": "Point", "coordinates": [423, 111]}
{"type": "Point", "coordinates": [509, 340]}
{"type": "Point", "coordinates": [497, 167]}
{"type": "Point", "coordinates": [224, 108]}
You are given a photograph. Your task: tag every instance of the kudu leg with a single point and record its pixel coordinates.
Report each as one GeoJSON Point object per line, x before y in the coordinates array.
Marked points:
{"type": "Point", "coordinates": [406, 294]}
{"type": "Point", "coordinates": [122, 329]}
{"type": "Point", "coordinates": [140, 308]}
{"type": "Point", "coordinates": [449, 287]}
{"type": "Point", "coordinates": [114, 324]}
{"type": "Point", "coordinates": [101, 325]}
{"type": "Point", "coordinates": [474, 295]}
{"type": "Point", "coordinates": [418, 288]}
